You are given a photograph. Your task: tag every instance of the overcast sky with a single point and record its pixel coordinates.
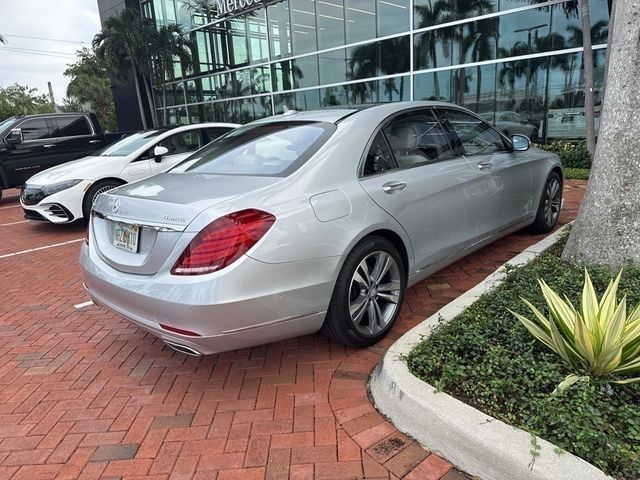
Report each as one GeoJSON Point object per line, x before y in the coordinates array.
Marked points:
{"type": "Point", "coordinates": [69, 20]}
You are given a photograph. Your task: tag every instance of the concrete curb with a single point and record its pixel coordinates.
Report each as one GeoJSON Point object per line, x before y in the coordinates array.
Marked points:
{"type": "Point", "coordinates": [473, 441]}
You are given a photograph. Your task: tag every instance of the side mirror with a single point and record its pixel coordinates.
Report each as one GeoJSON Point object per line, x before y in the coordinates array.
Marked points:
{"type": "Point", "coordinates": [521, 143]}
{"type": "Point", "coordinates": [159, 152]}
{"type": "Point", "coordinates": [15, 137]}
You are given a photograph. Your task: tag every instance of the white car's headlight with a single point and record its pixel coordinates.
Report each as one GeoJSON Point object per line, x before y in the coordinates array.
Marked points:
{"type": "Point", "coordinates": [58, 187]}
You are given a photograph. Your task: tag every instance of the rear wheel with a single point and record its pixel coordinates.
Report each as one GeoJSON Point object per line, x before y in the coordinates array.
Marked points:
{"type": "Point", "coordinates": [368, 293]}
{"type": "Point", "coordinates": [95, 190]}
{"type": "Point", "coordinates": [550, 205]}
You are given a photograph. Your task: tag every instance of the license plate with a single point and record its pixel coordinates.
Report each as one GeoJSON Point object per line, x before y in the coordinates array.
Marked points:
{"type": "Point", "coordinates": [126, 236]}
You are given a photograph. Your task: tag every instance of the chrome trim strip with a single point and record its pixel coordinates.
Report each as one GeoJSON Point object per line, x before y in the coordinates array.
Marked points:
{"type": "Point", "coordinates": [272, 322]}
{"type": "Point", "coordinates": [159, 227]}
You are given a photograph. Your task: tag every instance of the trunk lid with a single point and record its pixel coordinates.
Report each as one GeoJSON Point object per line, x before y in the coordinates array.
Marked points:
{"type": "Point", "coordinates": [158, 210]}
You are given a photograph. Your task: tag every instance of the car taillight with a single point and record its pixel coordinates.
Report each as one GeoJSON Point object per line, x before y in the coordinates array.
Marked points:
{"type": "Point", "coordinates": [223, 241]}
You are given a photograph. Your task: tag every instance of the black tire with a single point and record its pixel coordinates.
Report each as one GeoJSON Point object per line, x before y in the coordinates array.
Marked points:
{"type": "Point", "coordinates": [549, 206]}
{"type": "Point", "coordinates": [96, 189]}
{"type": "Point", "coordinates": [376, 302]}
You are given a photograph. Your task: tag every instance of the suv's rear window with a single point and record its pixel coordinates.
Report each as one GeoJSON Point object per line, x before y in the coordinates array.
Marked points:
{"type": "Point", "coordinates": [264, 149]}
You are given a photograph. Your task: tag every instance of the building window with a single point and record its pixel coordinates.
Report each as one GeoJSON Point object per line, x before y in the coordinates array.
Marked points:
{"type": "Point", "coordinates": [330, 23]}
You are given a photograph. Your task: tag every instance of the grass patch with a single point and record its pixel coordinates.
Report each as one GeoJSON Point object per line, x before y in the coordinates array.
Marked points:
{"type": "Point", "coordinates": [487, 359]}
{"type": "Point", "coordinates": [577, 173]}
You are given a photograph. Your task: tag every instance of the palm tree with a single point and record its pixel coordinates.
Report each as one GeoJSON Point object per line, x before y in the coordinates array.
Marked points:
{"type": "Point", "coordinates": [169, 43]}
{"type": "Point", "coordinates": [123, 45]}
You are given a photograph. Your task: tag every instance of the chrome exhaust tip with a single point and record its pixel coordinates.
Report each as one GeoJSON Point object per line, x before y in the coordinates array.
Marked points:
{"type": "Point", "coordinates": [183, 349]}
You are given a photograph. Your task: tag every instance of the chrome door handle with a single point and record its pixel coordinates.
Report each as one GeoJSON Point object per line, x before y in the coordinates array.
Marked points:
{"type": "Point", "coordinates": [49, 145]}
{"type": "Point", "coordinates": [485, 166]}
{"type": "Point", "coordinates": [392, 187]}
{"type": "Point", "coordinates": [94, 141]}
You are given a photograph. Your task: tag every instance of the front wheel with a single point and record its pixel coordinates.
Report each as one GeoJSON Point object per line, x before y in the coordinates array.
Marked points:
{"type": "Point", "coordinates": [95, 190]}
{"type": "Point", "coordinates": [368, 293]}
{"type": "Point", "coordinates": [550, 205]}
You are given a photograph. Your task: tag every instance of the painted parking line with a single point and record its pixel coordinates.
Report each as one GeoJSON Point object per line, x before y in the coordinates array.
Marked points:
{"type": "Point", "coordinates": [85, 304]}
{"type": "Point", "coordinates": [10, 206]}
{"type": "Point", "coordinates": [41, 248]}
{"type": "Point", "coordinates": [13, 223]}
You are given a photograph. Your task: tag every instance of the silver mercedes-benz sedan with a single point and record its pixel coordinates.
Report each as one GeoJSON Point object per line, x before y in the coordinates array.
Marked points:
{"type": "Point", "coordinates": [309, 221]}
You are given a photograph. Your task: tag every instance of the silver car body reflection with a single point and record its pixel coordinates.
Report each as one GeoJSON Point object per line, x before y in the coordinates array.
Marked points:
{"type": "Point", "coordinates": [283, 286]}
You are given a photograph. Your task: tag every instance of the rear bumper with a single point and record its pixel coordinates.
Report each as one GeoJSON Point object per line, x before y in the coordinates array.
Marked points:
{"type": "Point", "coordinates": [250, 304]}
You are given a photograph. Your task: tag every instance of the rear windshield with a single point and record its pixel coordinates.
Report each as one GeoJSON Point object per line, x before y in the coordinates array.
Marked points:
{"type": "Point", "coordinates": [129, 144]}
{"type": "Point", "coordinates": [267, 149]}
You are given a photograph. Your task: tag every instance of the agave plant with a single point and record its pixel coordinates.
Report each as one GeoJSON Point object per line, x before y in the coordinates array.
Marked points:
{"type": "Point", "coordinates": [599, 340]}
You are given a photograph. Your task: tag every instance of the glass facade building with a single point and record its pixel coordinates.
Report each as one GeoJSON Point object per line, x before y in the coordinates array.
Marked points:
{"type": "Point", "coordinates": [519, 63]}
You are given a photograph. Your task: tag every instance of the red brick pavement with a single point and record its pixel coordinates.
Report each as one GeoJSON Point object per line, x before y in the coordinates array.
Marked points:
{"type": "Point", "coordinates": [84, 394]}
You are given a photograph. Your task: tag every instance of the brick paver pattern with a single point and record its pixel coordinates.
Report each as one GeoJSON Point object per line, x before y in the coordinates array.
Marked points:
{"type": "Point", "coordinates": [85, 394]}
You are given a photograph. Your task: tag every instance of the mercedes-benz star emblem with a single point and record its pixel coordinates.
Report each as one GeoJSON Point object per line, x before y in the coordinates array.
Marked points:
{"type": "Point", "coordinates": [115, 206]}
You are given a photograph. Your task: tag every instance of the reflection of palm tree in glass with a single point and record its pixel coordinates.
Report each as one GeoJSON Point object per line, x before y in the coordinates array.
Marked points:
{"type": "Point", "coordinates": [362, 64]}
{"type": "Point", "coordinates": [383, 58]}
{"type": "Point", "coordinates": [511, 71]}
{"type": "Point", "coordinates": [485, 35]}
{"type": "Point", "coordinates": [474, 37]}
{"type": "Point", "coordinates": [390, 87]}
{"type": "Point", "coordinates": [599, 33]}
{"type": "Point", "coordinates": [429, 40]}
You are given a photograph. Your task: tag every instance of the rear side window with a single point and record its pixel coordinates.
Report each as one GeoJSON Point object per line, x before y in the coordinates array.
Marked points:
{"type": "Point", "coordinates": [71, 126]}
{"type": "Point", "coordinates": [265, 149]}
{"type": "Point", "coordinates": [379, 158]}
{"type": "Point", "coordinates": [35, 129]}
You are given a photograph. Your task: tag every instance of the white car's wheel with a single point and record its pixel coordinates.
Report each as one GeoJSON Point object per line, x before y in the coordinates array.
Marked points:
{"type": "Point", "coordinates": [95, 190]}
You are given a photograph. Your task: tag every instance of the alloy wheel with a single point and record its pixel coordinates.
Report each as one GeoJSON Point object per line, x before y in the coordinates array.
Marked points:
{"type": "Point", "coordinates": [104, 189]}
{"type": "Point", "coordinates": [374, 293]}
{"type": "Point", "coordinates": [552, 202]}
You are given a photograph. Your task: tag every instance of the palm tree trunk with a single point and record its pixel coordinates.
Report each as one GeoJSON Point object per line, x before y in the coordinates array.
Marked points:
{"type": "Point", "coordinates": [589, 102]}
{"type": "Point", "coordinates": [607, 231]}
{"type": "Point", "coordinates": [478, 86]}
{"type": "Point", "coordinates": [164, 103]}
{"type": "Point", "coordinates": [436, 80]}
{"type": "Point", "coordinates": [151, 102]}
{"type": "Point", "coordinates": [143, 117]}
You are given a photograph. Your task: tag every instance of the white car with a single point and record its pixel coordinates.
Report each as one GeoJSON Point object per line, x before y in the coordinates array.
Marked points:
{"type": "Point", "coordinates": [65, 193]}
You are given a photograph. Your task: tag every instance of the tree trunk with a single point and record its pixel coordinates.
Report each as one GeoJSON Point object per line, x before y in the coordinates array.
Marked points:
{"type": "Point", "coordinates": [143, 117]}
{"type": "Point", "coordinates": [587, 55]}
{"type": "Point", "coordinates": [152, 107]}
{"type": "Point", "coordinates": [164, 103]}
{"type": "Point", "coordinates": [607, 230]}
{"type": "Point", "coordinates": [478, 86]}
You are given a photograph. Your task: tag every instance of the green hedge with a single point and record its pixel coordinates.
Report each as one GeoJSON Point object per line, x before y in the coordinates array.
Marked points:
{"type": "Point", "coordinates": [572, 154]}
{"type": "Point", "coordinates": [487, 359]}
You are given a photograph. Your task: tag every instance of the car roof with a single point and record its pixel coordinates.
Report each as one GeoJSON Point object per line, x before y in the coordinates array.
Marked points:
{"type": "Point", "coordinates": [52, 114]}
{"type": "Point", "coordinates": [331, 115]}
{"type": "Point", "coordinates": [194, 126]}
{"type": "Point", "coordinates": [335, 115]}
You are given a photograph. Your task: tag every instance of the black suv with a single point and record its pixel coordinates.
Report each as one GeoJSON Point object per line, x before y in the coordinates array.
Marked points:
{"type": "Point", "coordinates": [32, 143]}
